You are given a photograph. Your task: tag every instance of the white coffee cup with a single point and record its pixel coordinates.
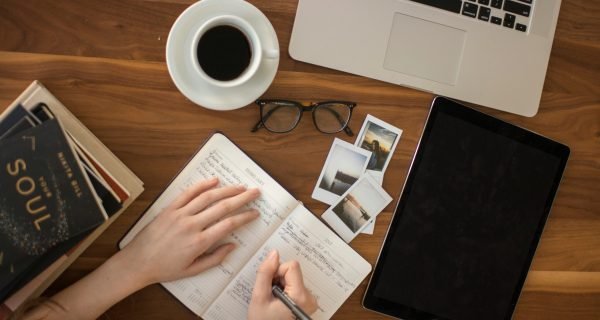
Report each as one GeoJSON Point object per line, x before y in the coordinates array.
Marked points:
{"type": "Point", "coordinates": [238, 87]}
{"type": "Point", "coordinates": [258, 52]}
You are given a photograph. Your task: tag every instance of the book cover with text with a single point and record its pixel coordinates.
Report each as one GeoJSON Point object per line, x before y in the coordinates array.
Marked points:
{"type": "Point", "coordinates": [45, 198]}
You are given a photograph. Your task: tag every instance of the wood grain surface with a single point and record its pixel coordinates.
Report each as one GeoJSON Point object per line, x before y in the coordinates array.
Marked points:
{"type": "Point", "coordinates": [105, 60]}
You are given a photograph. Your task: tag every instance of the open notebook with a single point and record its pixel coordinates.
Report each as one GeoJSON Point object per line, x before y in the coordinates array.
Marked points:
{"type": "Point", "coordinates": [332, 270]}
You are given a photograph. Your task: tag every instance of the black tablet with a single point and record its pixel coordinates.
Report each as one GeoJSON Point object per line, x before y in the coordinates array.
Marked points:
{"type": "Point", "coordinates": [469, 219]}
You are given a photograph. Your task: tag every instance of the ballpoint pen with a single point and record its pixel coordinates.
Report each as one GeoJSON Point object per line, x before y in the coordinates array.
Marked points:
{"type": "Point", "coordinates": [288, 302]}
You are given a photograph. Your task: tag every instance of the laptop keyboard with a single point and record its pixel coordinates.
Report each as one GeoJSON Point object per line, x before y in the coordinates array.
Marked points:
{"type": "Point", "coordinates": [511, 14]}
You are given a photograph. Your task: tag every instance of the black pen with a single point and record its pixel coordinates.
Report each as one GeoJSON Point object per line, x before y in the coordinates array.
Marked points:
{"type": "Point", "coordinates": [288, 302]}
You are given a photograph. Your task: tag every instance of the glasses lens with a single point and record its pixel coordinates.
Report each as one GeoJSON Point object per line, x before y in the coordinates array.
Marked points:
{"type": "Point", "coordinates": [280, 116]}
{"type": "Point", "coordinates": [332, 117]}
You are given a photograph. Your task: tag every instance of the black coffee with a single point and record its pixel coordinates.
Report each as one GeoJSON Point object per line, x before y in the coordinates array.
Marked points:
{"type": "Point", "coordinates": [224, 53]}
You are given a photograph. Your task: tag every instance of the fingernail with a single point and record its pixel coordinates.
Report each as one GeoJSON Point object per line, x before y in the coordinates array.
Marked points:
{"type": "Point", "coordinates": [213, 179]}
{"type": "Point", "coordinates": [254, 191]}
{"type": "Point", "coordinates": [241, 187]}
{"type": "Point", "coordinates": [272, 254]}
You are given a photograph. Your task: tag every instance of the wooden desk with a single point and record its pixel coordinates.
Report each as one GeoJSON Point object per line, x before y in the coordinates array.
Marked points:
{"type": "Point", "coordinates": [105, 61]}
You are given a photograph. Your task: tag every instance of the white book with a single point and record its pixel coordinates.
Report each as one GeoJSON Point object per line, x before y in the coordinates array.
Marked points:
{"type": "Point", "coordinates": [332, 270]}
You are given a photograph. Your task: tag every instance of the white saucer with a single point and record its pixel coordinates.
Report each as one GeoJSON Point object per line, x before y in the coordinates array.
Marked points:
{"type": "Point", "coordinates": [181, 68]}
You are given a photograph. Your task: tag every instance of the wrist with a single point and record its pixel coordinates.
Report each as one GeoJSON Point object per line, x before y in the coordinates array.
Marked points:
{"type": "Point", "coordinates": [114, 280]}
{"type": "Point", "coordinates": [133, 279]}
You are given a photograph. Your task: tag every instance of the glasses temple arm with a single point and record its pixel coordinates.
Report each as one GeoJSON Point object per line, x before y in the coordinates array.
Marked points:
{"type": "Point", "coordinates": [257, 126]}
{"type": "Point", "coordinates": [348, 131]}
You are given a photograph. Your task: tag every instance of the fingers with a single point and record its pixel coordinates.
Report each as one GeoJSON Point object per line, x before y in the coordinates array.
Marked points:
{"type": "Point", "coordinates": [226, 206]}
{"type": "Point", "coordinates": [264, 277]}
{"type": "Point", "coordinates": [291, 274]}
{"type": "Point", "coordinates": [224, 227]}
{"type": "Point", "coordinates": [205, 199]}
{"type": "Point", "coordinates": [207, 261]}
{"type": "Point", "coordinates": [192, 192]}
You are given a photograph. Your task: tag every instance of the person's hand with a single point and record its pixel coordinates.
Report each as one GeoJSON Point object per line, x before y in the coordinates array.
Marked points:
{"type": "Point", "coordinates": [175, 244]}
{"type": "Point", "coordinates": [264, 305]}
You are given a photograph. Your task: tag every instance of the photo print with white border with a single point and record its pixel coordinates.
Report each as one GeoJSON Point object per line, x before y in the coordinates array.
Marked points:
{"type": "Point", "coordinates": [343, 167]}
{"type": "Point", "coordinates": [356, 208]}
{"type": "Point", "coordinates": [381, 138]}
{"type": "Point", "coordinates": [370, 228]}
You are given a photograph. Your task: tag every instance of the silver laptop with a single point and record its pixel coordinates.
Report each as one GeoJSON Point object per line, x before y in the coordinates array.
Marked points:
{"type": "Point", "coordinates": [490, 52]}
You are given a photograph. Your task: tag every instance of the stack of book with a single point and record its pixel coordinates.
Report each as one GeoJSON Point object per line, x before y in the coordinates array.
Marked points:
{"type": "Point", "coordinates": [60, 188]}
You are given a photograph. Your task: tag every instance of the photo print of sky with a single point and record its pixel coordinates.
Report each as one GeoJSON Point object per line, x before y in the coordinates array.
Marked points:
{"type": "Point", "coordinates": [344, 168]}
{"type": "Point", "coordinates": [384, 138]}
{"type": "Point", "coordinates": [357, 207]}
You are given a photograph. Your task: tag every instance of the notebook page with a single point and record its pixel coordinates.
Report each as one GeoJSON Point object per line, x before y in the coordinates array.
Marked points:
{"type": "Point", "coordinates": [332, 270]}
{"type": "Point", "coordinates": [220, 157]}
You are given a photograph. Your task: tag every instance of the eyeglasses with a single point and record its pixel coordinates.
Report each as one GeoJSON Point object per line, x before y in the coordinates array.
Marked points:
{"type": "Point", "coordinates": [281, 116]}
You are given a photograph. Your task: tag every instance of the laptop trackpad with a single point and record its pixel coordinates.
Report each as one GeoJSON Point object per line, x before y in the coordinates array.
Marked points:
{"type": "Point", "coordinates": [424, 49]}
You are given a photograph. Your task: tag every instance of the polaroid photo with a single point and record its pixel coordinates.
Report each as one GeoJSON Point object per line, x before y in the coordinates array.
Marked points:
{"type": "Point", "coordinates": [356, 208]}
{"type": "Point", "coordinates": [344, 165]}
{"type": "Point", "coordinates": [381, 139]}
{"type": "Point", "coordinates": [370, 228]}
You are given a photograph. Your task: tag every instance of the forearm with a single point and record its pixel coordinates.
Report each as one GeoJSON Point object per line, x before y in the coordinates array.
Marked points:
{"type": "Point", "coordinates": [174, 245]}
{"type": "Point", "coordinates": [94, 294]}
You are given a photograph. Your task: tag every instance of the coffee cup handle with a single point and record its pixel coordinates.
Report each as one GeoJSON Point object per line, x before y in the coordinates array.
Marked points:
{"type": "Point", "coordinates": [271, 53]}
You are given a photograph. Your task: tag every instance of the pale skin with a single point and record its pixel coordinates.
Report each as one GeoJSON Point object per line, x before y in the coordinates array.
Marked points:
{"type": "Point", "coordinates": [176, 245]}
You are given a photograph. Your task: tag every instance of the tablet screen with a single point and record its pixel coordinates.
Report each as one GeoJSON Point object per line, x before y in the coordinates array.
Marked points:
{"type": "Point", "coordinates": [469, 219]}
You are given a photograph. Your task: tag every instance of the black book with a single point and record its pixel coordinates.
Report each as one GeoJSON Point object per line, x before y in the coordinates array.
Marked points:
{"type": "Point", "coordinates": [21, 119]}
{"type": "Point", "coordinates": [12, 118]}
{"type": "Point", "coordinates": [40, 264]}
{"type": "Point", "coordinates": [45, 198]}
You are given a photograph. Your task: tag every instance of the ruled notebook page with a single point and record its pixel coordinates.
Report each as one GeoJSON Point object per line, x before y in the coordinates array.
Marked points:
{"type": "Point", "coordinates": [222, 158]}
{"type": "Point", "coordinates": [332, 270]}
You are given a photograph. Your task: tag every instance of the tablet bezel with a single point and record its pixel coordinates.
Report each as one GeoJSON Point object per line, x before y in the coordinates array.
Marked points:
{"type": "Point", "coordinates": [439, 105]}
